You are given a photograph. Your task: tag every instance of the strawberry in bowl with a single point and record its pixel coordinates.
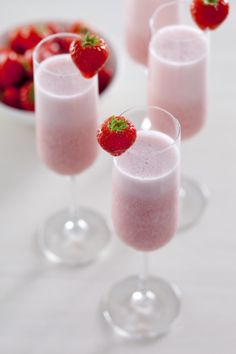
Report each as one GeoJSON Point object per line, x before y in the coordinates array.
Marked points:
{"type": "Point", "coordinates": [16, 64]}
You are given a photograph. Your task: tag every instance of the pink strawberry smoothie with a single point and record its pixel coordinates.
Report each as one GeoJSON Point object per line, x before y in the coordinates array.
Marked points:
{"type": "Point", "coordinates": [177, 77]}
{"type": "Point", "coordinates": [66, 116]}
{"type": "Point", "coordinates": [145, 191]}
{"type": "Point", "coordinates": [137, 32]}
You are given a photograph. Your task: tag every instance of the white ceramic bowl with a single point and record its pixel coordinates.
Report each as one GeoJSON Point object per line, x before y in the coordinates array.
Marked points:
{"type": "Point", "coordinates": [29, 117]}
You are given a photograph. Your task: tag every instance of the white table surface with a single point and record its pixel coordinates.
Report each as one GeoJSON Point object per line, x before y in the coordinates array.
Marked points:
{"type": "Point", "coordinates": [49, 309]}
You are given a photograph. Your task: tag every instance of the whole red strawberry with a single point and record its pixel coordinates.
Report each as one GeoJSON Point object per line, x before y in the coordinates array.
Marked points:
{"type": "Point", "coordinates": [89, 53]}
{"type": "Point", "coordinates": [104, 78]}
{"type": "Point", "coordinates": [11, 69]}
{"type": "Point", "coordinates": [209, 14]}
{"type": "Point", "coordinates": [116, 135]}
{"type": "Point", "coordinates": [27, 96]}
{"type": "Point", "coordinates": [10, 96]}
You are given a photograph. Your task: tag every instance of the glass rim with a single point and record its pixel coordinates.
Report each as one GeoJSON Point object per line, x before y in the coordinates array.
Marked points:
{"type": "Point", "coordinates": [47, 39]}
{"type": "Point", "coordinates": [175, 139]}
{"type": "Point", "coordinates": [166, 5]}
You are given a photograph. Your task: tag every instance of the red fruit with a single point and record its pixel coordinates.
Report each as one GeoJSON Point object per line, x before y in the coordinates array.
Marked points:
{"type": "Point", "coordinates": [116, 135]}
{"type": "Point", "coordinates": [27, 37]}
{"type": "Point", "coordinates": [209, 14]}
{"type": "Point", "coordinates": [27, 96]}
{"type": "Point", "coordinates": [52, 47]}
{"type": "Point", "coordinates": [89, 54]}
{"type": "Point", "coordinates": [3, 54]}
{"type": "Point", "coordinates": [65, 43]}
{"type": "Point", "coordinates": [55, 28]}
{"type": "Point", "coordinates": [27, 62]}
{"type": "Point", "coordinates": [11, 69]}
{"type": "Point", "coordinates": [16, 41]}
{"type": "Point", "coordinates": [79, 27]}
{"type": "Point", "coordinates": [104, 78]}
{"type": "Point", "coordinates": [10, 96]}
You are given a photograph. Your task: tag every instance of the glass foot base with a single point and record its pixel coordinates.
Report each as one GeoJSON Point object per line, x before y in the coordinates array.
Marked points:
{"type": "Point", "coordinates": [135, 313]}
{"type": "Point", "coordinates": [193, 200]}
{"type": "Point", "coordinates": [74, 242]}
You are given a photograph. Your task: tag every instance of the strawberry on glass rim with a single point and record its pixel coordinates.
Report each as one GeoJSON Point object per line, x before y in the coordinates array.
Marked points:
{"type": "Point", "coordinates": [116, 135]}
{"type": "Point", "coordinates": [89, 53]}
{"type": "Point", "coordinates": [209, 14]}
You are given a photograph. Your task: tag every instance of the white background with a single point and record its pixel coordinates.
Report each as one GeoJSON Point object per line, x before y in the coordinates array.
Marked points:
{"type": "Point", "coordinates": [48, 309]}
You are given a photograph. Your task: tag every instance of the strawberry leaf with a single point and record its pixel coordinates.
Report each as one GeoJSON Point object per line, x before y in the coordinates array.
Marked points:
{"type": "Point", "coordinates": [117, 124]}
{"type": "Point", "coordinates": [90, 40]}
{"type": "Point", "coordinates": [211, 2]}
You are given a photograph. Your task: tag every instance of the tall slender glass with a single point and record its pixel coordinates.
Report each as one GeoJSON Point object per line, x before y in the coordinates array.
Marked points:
{"type": "Point", "coordinates": [145, 195]}
{"type": "Point", "coordinates": [66, 123]}
{"type": "Point", "coordinates": [137, 14]}
{"type": "Point", "coordinates": [178, 82]}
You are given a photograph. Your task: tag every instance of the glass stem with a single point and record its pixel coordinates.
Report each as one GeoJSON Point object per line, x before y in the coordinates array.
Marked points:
{"type": "Point", "coordinates": [72, 198]}
{"type": "Point", "coordinates": [143, 272]}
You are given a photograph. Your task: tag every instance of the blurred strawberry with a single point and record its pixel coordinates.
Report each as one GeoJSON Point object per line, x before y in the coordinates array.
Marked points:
{"type": "Point", "coordinates": [27, 62]}
{"type": "Point", "coordinates": [55, 27]}
{"type": "Point", "coordinates": [27, 96]}
{"type": "Point", "coordinates": [27, 37]}
{"type": "Point", "coordinates": [104, 78]}
{"type": "Point", "coordinates": [11, 69]}
{"type": "Point", "coordinates": [80, 27]}
{"type": "Point", "coordinates": [65, 43]}
{"type": "Point", "coordinates": [3, 56]}
{"type": "Point", "coordinates": [3, 53]}
{"type": "Point", "coordinates": [52, 47]}
{"type": "Point", "coordinates": [10, 96]}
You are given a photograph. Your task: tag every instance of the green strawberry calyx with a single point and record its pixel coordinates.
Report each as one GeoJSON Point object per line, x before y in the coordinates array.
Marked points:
{"type": "Point", "coordinates": [90, 40]}
{"type": "Point", "coordinates": [117, 125]}
{"type": "Point", "coordinates": [211, 2]}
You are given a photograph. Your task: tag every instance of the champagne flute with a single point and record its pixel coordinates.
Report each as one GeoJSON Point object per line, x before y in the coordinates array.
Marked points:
{"type": "Point", "coordinates": [137, 14]}
{"type": "Point", "coordinates": [178, 82]}
{"type": "Point", "coordinates": [66, 123]}
{"type": "Point", "coordinates": [145, 197]}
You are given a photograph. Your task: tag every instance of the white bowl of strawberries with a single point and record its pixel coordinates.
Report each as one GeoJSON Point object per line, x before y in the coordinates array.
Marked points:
{"type": "Point", "coordinates": [16, 66]}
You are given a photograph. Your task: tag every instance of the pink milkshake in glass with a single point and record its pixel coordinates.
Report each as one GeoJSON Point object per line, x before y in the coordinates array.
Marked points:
{"type": "Point", "coordinates": [66, 124]}
{"type": "Point", "coordinates": [67, 113]}
{"type": "Point", "coordinates": [177, 75]}
{"type": "Point", "coordinates": [145, 191]}
{"type": "Point", "coordinates": [145, 203]}
{"type": "Point", "coordinates": [178, 82]}
{"type": "Point", "coordinates": [137, 32]}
